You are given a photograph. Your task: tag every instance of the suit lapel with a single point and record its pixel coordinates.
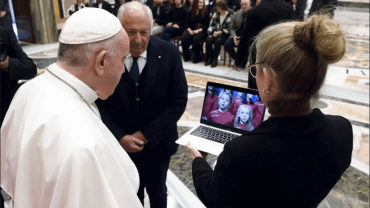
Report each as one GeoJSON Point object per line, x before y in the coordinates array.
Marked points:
{"type": "Point", "coordinates": [153, 64]}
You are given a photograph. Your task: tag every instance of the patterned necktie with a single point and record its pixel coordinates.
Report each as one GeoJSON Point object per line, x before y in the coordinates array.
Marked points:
{"type": "Point", "coordinates": [134, 71]}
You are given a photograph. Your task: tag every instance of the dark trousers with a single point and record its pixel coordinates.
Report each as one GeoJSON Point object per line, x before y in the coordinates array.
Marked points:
{"type": "Point", "coordinates": [229, 47]}
{"type": "Point", "coordinates": [152, 168]}
{"type": "Point", "coordinates": [243, 52]}
{"type": "Point", "coordinates": [195, 41]}
{"type": "Point", "coordinates": [329, 5]}
{"type": "Point", "coordinates": [299, 9]}
{"type": "Point", "coordinates": [169, 32]}
{"type": "Point", "coordinates": [218, 42]}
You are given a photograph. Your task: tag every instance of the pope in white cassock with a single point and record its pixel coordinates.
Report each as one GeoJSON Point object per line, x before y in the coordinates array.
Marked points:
{"type": "Point", "coordinates": [55, 150]}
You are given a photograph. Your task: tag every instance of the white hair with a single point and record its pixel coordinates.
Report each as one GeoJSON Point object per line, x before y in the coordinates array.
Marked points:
{"type": "Point", "coordinates": [135, 6]}
{"type": "Point", "coordinates": [79, 55]}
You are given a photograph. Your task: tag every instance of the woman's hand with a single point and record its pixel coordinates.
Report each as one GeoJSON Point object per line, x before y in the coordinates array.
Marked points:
{"type": "Point", "coordinates": [191, 32]}
{"type": "Point", "coordinates": [196, 31]}
{"type": "Point", "coordinates": [194, 152]}
{"type": "Point", "coordinates": [215, 34]}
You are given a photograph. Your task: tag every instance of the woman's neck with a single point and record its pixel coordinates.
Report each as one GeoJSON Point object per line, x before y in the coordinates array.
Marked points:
{"type": "Point", "coordinates": [292, 107]}
{"type": "Point", "coordinates": [223, 13]}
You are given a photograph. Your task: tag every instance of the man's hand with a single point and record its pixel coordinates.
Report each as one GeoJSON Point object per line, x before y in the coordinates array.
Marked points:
{"type": "Point", "coordinates": [190, 32]}
{"type": "Point", "coordinates": [169, 24]}
{"type": "Point", "coordinates": [131, 144]}
{"type": "Point", "coordinates": [2, 13]}
{"type": "Point", "coordinates": [5, 64]}
{"type": "Point", "coordinates": [140, 136]}
{"type": "Point", "coordinates": [236, 40]}
{"type": "Point", "coordinates": [175, 25]}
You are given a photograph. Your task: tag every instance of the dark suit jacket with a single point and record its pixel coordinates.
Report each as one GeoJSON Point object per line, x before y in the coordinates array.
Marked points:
{"type": "Point", "coordinates": [163, 99]}
{"type": "Point", "coordinates": [265, 14]}
{"type": "Point", "coordinates": [106, 6]}
{"type": "Point", "coordinates": [20, 67]}
{"type": "Point", "coordinates": [76, 8]}
{"type": "Point", "coordinates": [285, 162]}
{"type": "Point", "coordinates": [164, 15]}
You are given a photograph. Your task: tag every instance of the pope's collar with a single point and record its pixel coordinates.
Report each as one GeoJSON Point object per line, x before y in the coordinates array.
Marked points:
{"type": "Point", "coordinates": [87, 93]}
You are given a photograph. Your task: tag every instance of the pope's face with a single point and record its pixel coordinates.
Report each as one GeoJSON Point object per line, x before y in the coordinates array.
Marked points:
{"type": "Point", "coordinates": [116, 65]}
{"type": "Point", "coordinates": [224, 101]}
{"type": "Point", "coordinates": [138, 27]}
{"type": "Point", "coordinates": [244, 115]}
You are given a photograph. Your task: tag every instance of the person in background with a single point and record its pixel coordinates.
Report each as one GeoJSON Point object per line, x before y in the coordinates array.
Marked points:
{"type": "Point", "coordinates": [53, 139]}
{"type": "Point", "coordinates": [149, 3]}
{"type": "Point", "coordinates": [117, 5]}
{"type": "Point", "coordinates": [161, 16]}
{"type": "Point", "coordinates": [221, 115]}
{"type": "Point", "coordinates": [176, 26]}
{"type": "Point", "coordinates": [218, 32]}
{"type": "Point", "coordinates": [197, 22]}
{"type": "Point", "coordinates": [244, 118]}
{"type": "Point", "coordinates": [101, 4]}
{"type": "Point", "coordinates": [268, 12]}
{"type": "Point", "coordinates": [306, 151]}
{"type": "Point", "coordinates": [300, 6]}
{"type": "Point", "coordinates": [234, 5]}
{"type": "Point", "coordinates": [188, 4]}
{"type": "Point", "coordinates": [259, 106]}
{"type": "Point", "coordinates": [169, 3]}
{"type": "Point", "coordinates": [328, 6]}
{"type": "Point", "coordinates": [79, 5]}
{"type": "Point", "coordinates": [15, 65]}
{"type": "Point", "coordinates": [237, 28]}
{"type": "Point", "coordinates": [5, 17]}
{"type": "Point", "coordinates": [153, 96]}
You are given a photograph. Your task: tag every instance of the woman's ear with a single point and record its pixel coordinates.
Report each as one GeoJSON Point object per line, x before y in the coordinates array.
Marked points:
{"type": "Point", "coordinates": [101, 62]}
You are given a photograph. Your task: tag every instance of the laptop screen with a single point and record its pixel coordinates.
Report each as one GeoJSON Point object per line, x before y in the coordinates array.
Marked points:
{"type": "Point", "coordinates": [232, 108]}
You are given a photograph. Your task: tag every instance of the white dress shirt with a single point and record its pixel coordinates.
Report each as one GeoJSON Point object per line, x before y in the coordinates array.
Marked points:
{"type": "Point", "coordinates": [141, 61]}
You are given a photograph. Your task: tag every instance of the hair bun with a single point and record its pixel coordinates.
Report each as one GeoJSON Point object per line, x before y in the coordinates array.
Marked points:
{"type": "Point", "coordinates": [323, 35]}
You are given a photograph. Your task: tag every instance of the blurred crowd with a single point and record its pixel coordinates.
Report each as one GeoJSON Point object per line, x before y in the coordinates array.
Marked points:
{"type": "Point", "coordinates": [198, 24]}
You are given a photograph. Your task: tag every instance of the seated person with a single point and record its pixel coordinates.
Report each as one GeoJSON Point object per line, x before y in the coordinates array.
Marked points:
{"type": "Point", "coordinates": [188, 4]}
{"type": "Point", "coordinates": [221, 115]}
{"type": "Point", "coordinates": [296, 157]}
{"type": "Point", "coordinates": [244, 118]}
{"type": "Point", "coordinates": [176, 26]}
{"type": "Point", "coordinates": [169, 3]}
{"type": "Point", "coordinates": [161, 16]}
{"type": "Point", "coordinates": [117, 5]}
{"type": "Point", "coordinates": [237, 28]}
{"type": "Point", "coordinates": [218, 32]}
{"type": "Point", "coordinates": [197, 22]}
{"type": "Point", "coordinates": [79, 6]}
{"type": "Point", "coordinates": [234, 5]}
{"type": "Point", "coordinates": [101, 4]}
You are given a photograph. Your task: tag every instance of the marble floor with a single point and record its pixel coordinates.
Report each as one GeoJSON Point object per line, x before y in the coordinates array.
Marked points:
{"type": "Point", "coordinates": [345, 93]}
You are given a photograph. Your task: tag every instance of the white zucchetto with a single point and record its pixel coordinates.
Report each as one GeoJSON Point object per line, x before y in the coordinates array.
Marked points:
{"type": "Point", "coordinates": [89, 25]}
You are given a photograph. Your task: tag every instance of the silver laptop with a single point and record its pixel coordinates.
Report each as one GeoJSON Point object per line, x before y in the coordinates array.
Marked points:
{"type": "Point", "coordinates": [227, 113]}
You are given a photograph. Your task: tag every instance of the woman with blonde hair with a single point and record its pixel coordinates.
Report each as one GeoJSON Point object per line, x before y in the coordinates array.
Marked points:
{"type": "Point", "coordinates": [295, 157]}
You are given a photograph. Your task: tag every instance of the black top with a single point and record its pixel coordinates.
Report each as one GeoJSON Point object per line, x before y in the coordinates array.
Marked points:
{"type": "Point", "coordinates": [178, 16]}
{"type": "Point", "coordinates": [285, 162]}
{"type": "Point", "coordinates": [164, 15]}
{"type": "Point", "coordinates": [198, 21]}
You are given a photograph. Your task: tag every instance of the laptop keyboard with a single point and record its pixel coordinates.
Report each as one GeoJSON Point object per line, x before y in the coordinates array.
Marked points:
{"type": "Point", "coordinates": [213, 134]}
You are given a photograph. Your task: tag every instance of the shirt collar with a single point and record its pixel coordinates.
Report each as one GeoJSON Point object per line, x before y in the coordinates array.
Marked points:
{"type": "Point", "coordinates": [143, 54]}
{"type": "Point", "coordinates": [87, 93]}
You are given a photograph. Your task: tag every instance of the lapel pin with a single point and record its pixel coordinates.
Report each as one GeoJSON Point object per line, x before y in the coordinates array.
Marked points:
{"type": "Point", "coordinates": [159, 56]}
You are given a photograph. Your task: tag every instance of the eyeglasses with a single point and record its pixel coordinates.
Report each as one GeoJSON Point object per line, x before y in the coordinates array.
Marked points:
{"type": "Point", "coordinates": [253, 70]}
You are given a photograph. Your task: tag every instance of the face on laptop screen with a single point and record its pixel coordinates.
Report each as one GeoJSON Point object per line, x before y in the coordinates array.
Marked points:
{"type": "Point", "coordinates": [232, 108]}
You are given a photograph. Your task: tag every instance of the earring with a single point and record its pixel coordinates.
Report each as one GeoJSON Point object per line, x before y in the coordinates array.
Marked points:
{"type": "Point", "coordinates": [266, 92]}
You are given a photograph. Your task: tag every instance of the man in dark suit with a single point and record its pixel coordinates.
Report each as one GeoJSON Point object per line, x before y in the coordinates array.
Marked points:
{"type": "Point", "coordinates": [147, 103]}
{"type": "Point", "coordinates": [161, 16]}
{"type": "Point", "coordinates": [101, 4]}
{"type": "Point", "coordinates": [266, 13]}
{"type": "Point", "coordinates": [16, 65]}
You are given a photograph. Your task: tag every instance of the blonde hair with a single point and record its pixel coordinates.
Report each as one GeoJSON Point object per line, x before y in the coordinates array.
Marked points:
{"type": "Point", "coordinates": [297, 54]}
{"type": "Point", "coordinates": [250, 119]}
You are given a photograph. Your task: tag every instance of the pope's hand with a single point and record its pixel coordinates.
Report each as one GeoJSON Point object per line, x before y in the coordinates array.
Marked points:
{"type": "Point", "coordinates": [131, 144]}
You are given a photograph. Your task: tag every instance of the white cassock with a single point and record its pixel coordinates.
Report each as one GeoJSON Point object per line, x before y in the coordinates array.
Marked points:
{"type": "Point", "coordinates": [56, 152]}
